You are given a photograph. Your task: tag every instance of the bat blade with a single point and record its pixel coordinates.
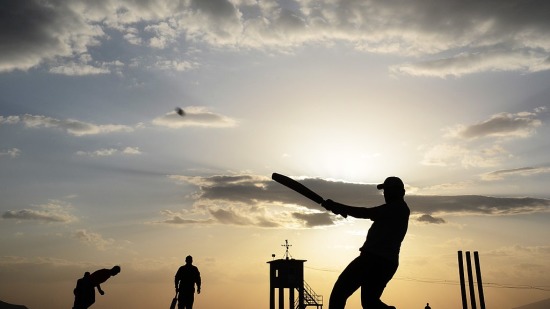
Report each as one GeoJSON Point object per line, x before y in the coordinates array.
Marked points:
{"type": "Point", "coordinates": [174, 301]}
{"type": "Point", "coordinates": [298, 187]}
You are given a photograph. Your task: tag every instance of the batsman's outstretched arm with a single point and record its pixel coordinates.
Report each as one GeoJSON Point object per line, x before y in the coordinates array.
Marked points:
{"type": "Point", "coordinates": [346, 210]}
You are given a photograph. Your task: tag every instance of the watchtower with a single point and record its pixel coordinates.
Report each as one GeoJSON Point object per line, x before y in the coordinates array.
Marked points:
{"type": "Point", "coordinates": [288, 273]}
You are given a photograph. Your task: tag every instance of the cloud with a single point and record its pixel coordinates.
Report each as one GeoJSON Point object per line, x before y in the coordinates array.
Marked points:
{"type": "Point", "coordinates": [71, 126]}
{"type": "Point", "coordinates": [195, 116]}
{"type": "Point", "coordinates": [164, 34]}
{"type": "Point", "coordinates": [453, 37]}
{"type": "Point", "coordinates": [444, 188]}
{"type": "Point", "coordinates": [93, 239]}
{"type": "Point", "coordinates": [229, 216]}
{"type": "Point", "coordinates": [500, 125]}
{"type": "Point", "coordinates": [128, 151]}
{"type": "Point", "coordinates": [176, 219]}
{"type": "Point", "coordinates": [314, 219]}
{"type": "Point", "coordinates": [480, 144]}
{"type": "Point", "coordinates": [210, 214]}
{"type": "Point", "coordinates": [175, 65]}
{"type": "Point", "coordinates": [9, 119]}
{"type": "Point", "coordinates": [78, 69]}
{"type": "Point", "coordinates": [430, 219]}
{"type": "Point", "coordinates": [252, 189]}
{"type": "Point", "coordinates": [523, 171]}
{"type": "Point", "coordinates": [221, 20]}
{"type": "Point", "coordinates": [247, 200]}
{"type": "Point", "coordinates": [457, 155]}
{"type": "Point", "coordinates": [35, 31]}
{"type": "Point", "coordinates": [52, 212]}
{"type": "Point", "coordinates": [11, 153]}
{"type": "Point", "coordinates": [477, 205]}
{"type": "Point", "coordinates": [476, 62]}
{"type": "Point", "coordinates": [252, 200]}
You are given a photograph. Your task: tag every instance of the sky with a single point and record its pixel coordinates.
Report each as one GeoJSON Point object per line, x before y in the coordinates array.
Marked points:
{"type": "Point", "coordinates": [98, 170]}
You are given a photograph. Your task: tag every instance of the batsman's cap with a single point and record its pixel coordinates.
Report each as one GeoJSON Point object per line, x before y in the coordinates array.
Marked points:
{"type": "Point", "coordinates": [391, 182]}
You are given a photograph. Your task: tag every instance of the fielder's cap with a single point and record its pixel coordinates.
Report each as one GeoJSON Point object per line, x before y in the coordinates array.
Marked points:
{"type": "Point", "coordinates": [391, 182]}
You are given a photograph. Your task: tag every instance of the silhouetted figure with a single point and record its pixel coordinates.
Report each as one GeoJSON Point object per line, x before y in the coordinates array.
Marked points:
{"type": "Point", "coordinates": [82, 295]}
{"type": "Point", "coordinates": [100, 276]}
{"type": "Point", "coordinates": [186, 277]}
{"type": "Point", "coordinates": [379, 256]}
{"type": "Point", "coordinates": [427, 306]}
{"type": "Point", "coordinates": [85, 287]}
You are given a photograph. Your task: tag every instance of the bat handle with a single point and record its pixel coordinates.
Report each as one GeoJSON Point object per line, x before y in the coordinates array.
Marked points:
{"type": "Point", "coordinates": [328, 209]}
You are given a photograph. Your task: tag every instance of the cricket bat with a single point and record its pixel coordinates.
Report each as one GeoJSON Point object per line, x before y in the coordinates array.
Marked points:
{"type": "Point", "coordinates": [174, 302]}
{"type": "Point", "coordinates": [298, 187]}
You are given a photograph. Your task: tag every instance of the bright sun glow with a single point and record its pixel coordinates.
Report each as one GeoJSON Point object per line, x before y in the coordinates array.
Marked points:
{"type": "Point", "coordinates": [342, 160]}
{"type": "Point", "coordinates": [348, 165]}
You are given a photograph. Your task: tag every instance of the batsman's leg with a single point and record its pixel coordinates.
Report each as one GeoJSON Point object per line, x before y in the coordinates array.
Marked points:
{"type": "Point", "coordinates": [348, 282]}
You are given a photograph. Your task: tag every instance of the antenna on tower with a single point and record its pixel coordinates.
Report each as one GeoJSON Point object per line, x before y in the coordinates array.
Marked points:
{"type": "Point", "coordinates": [286, 245]}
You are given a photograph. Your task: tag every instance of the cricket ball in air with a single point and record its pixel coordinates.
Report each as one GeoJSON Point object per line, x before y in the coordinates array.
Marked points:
{"type": "Point", "coordinates": [180, 111]}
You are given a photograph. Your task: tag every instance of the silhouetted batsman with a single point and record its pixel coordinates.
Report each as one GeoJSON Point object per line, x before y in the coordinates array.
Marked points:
{"type": "Point", "coordinates": [379, 256]}
{"type": "Point", "coordinates": [427, 306]}
{"type": "Point", "coordinates": [85, 287]}
{"type": "Point", "coordinates": [187, 277]}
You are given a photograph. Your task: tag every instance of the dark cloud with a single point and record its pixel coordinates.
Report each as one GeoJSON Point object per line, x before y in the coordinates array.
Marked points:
{"type": "Point", "coordinates": [502, 125]}
{"type": "Point", "coordinates": [240, 215]}
{"type": "Point", "coordinates": [39, 215]}
{"type": "Point", "coordinates": [477, 205]}
{"type": "Point", "coordinates": [257, 190]}
{"type": "Point", "coordinates": [522, 171]}
{"type": "Point", "coordinates": [215, 8]}
{"type": "Point", "coordinates": [473, 36]}
{"type": "Point", "coordinates": [266, 222]}
{"type": "Point", "coordinates": [230, 217]}
{"type": "Point", "coordinates": [481, 144]}
{"type": "Point", "coordinates": [179, 220]}
{"type": "Point", "coordinates": [32, 31]}
{"type": "Point", "coordinates": [315, 219]}
{"type": "Point", "coordinates": [251, 189]}
{"type": "Point", "coordinates": [430, 219]}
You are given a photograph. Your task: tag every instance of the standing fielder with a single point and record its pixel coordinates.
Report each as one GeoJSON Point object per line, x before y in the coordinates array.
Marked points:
{"type": "Point", "coordinates": [186, 277]}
